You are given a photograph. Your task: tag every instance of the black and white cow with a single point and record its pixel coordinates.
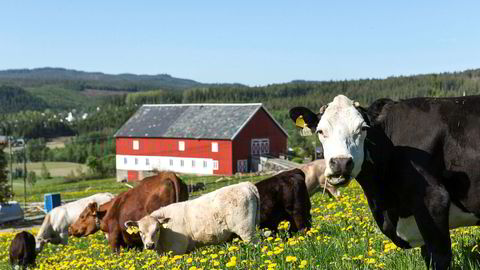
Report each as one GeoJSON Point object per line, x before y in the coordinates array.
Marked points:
{"type": "Point", "coordinates": [417, 161]}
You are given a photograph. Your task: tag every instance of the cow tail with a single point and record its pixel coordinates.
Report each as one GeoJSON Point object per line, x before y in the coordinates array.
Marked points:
{"type": "Point", "coordinates": [177, 187]}
{"type": "Point", "coordinates": [257, 196]}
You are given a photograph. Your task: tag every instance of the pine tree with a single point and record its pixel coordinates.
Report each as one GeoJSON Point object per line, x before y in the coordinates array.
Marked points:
{"type": "Point", "coordinates": [5, 189]}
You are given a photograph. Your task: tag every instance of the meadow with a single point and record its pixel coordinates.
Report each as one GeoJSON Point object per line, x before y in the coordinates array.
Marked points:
{"type": "Point", "coordinates": [343, 236]}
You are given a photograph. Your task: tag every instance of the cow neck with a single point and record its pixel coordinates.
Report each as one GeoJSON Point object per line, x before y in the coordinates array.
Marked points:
{"type": "Point", "coordinates": [374, 175]}
{"type": "Point", "coordinates": [100, 221]}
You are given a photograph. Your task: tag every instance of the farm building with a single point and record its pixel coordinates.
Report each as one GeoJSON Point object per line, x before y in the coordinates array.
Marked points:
{"type": "Point", "coordinates": [197, 138]}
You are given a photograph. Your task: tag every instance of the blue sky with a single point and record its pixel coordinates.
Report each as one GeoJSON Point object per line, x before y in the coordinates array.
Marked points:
{"type": "Point", "coordinates": [250, 42]}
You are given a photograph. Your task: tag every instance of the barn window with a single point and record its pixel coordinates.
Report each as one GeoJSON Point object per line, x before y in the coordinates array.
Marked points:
{"type": "Point", "coordinates": [136, 161]}
{"type": "Point", "coordinates": [124, 160]}
{"type": "Point", "coordinates": [182, 162]}
{"type": "Point", "coordinates": [136, 145]}
{"type": "Point", "coordinates": [204, 164]}
{"type": "Point", "coordinates": [171, 162]}
{"type": "Point", "coordinates": [214, 147]}
{"type": "Point", "coordinates": [193, 163]}
{"type": "Point", "coordinates": [147, 161]}
{"type": "Point", "coordinates": [215, 164]}
{"type": "Point", "coordinates": [181, 146]}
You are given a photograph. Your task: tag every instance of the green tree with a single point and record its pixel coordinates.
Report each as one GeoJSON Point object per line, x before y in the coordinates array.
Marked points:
{"type": "Point", "coordinates": [95, 165]}
{"type": "Point", "coordinates": [5, 189]}
{"type": "Point", "coordinates": [44, 173]}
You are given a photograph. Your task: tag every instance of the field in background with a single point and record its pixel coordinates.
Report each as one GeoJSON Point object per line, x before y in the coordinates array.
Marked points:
{"type": "Point", "coordinates": [56, 169]}
{"type": "Point", "coordinates": [74, 189]}
{"type": "Point", "coordinates": [344, 236]}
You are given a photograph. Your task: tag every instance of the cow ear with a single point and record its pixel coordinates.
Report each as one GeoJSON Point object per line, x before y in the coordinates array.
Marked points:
{"type": "Point", "coordinates": [304, 119]}
{"type": "Point", "coordinates": [132, 226]}
{"type": "Point", "coordinates": [163, 220]}
{"type": "Point", "coordinates": [93, 206]}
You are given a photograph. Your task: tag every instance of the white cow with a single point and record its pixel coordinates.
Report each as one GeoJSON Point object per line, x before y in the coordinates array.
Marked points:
{"type": "Point", "coordinates": [210, 219]}
{"type": "Point", "coordinates": [315, 178]}
{"type": "Point", "coordinates": [55, 225]}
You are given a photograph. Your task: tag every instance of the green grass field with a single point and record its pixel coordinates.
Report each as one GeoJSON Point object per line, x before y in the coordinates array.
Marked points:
{"type": "Point", "coordinates": [343, 236]}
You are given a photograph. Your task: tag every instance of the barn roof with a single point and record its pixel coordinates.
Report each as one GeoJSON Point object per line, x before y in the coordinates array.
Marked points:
{"type": "Point", "coordinates": [198, 121]}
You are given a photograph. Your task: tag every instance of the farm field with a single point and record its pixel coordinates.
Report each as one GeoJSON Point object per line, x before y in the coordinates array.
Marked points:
{"type": "Point", "coordinates": [73, 189]}
{"type": "Point", "coordinates": [343, 236]}
{"type": "Point", "coordinates": [56, 169]}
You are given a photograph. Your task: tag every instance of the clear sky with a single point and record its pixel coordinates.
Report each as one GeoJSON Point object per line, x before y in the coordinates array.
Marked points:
{"type": "Point", "coordinates": [250, 42]}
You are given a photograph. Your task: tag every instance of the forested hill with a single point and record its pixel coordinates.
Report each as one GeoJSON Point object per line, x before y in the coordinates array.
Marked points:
{"type": "Point", "coordinates": [80, 80]}
{"type": "Point", "coordinates": [105, 111]}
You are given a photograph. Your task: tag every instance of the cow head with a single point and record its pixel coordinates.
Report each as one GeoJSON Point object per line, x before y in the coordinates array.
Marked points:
{"type": "Point", "coordinates": [39, 244]}
{"type": "Point", "coordinates": [341, 129]}
{"type": "Point", "coordinates": [149, 228]}
{"type": "Point", "coordinates": [88, 222]}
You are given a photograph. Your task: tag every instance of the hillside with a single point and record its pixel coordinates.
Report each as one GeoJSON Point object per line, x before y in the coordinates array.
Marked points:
{"type": "Point", "coordinates": [80, 80]}
{"type": "Point", "coordinates": [15, 99]}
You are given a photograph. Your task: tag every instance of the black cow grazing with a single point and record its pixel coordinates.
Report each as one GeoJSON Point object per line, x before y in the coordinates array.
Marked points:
{"type": "Point", "coordinates": [22, 250]}
{"type": "Point", "coordinates": [284, 197]}
{"type": "Point", "coordinates": [417, 161]}
{"type": "Point", "coordinates": [196, 187]}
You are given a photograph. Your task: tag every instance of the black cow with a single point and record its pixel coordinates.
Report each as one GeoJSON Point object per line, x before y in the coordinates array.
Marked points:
{"type": "Point", "coordinates": [417, 161]}
{"type": "Point", "coordinates": [196, 187]}
{"type": "Point", "coordinates": [284, 197]}
{"type": "Point", "coordinates": [22, 250]}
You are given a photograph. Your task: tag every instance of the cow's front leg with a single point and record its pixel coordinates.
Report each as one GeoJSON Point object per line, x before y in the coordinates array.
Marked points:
{"type": "Point", "coordinates": [431, 216]}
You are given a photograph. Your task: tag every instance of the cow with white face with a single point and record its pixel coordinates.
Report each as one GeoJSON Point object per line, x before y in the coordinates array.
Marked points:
{"type": "Point", "coordinates": [342, 130]}
{"type": "Point", "coordinates": [416, 161]}
{"type": "Point", "coordinates": [212, 218]}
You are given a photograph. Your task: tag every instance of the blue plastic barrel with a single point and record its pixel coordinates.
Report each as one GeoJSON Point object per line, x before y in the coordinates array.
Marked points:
{"type": "Point", "coordinates": [51, 200]}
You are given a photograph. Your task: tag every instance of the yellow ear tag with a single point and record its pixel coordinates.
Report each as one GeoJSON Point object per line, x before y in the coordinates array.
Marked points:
{"type": "Point", "coordinates": [132, 230]}
{"type": "Point", "coordinates": [300, 122]}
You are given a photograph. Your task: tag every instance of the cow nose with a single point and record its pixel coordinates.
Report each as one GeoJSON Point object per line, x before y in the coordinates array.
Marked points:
{"type": "Point", "coordinates": [150, 246]}
{"type": "Point", "coordinates": [341, 166]}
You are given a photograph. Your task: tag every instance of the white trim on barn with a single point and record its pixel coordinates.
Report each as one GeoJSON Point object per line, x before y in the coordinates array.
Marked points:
{"type": "Point", "coordinates": [190, 165]}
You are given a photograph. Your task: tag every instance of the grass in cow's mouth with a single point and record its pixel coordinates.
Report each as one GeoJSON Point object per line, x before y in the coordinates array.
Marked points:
{"type": "Point", "coordinates": [344, 236]}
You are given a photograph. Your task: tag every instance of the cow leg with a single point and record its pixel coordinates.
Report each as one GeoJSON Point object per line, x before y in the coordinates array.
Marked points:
{"type": "Point", "coordinates": [115, 240]}
{"type": "Point", "coordinates": [432, 221]}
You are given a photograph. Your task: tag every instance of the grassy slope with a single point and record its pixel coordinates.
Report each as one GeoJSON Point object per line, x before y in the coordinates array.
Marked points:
{"type": "Point", "coordinates": [344, 237]}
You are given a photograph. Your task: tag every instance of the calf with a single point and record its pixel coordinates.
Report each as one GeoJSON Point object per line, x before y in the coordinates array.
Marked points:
{"type": "Point", "coordinates": [54, 228]}
{"type": "Point", "coordinates": [196, 187]}
{"type": "Point", "coordinates": [284, 196]}
{"type": "Point", "coordinates": [209, 219]}
{"type": "Point", "coordinates": [315, 178]}
{"type": "Point", "coordinates": [152, 193]}
{"type": "Point", "coordinates": [416, 161]}
{"type": "Point", "coordinates": [22, 250]}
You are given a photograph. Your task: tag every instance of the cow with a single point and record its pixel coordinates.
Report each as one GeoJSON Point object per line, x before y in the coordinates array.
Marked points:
{"type": "Point", "coordinates": [54, 228]}
{"type": "Point", "coordinates": [315, 178]}
{"type": "Point", "coordinates": [209, 219]}
{"type": "Point", "coordinates": [284, 196]}
{"type": "Point", "coordinates": [152, 193]}
{"type": "Point", "coordinates": [196, 187]}
{"type": "Point", "coordinates": [22, 250]}
{"type": "Point", "coordinates": [416, 161]}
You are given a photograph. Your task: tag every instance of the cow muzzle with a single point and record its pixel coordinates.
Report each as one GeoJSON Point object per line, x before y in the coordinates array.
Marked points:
{"type": "Point", "coordinates": [340, 171]}
{"type": "Point", "coordinates": [150, 246]}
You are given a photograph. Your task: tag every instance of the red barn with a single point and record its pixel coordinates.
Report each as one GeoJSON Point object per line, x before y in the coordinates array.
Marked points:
{"type": "Point", "coordinates": [197, 138]}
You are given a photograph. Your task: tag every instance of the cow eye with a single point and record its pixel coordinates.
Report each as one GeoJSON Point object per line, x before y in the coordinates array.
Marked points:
{"type": "Point", "coordinates": [365, 128]}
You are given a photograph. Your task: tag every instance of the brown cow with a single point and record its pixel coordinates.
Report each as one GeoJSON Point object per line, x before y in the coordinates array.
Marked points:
{"type": "Point", "coordinates": [152, 193]}
{"type": "Point", "coordinates": [315, 178]}
{"type": "Point", "coordinates": [22, 250]}
{"type": "Point", "coordinates": [284, 196]}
